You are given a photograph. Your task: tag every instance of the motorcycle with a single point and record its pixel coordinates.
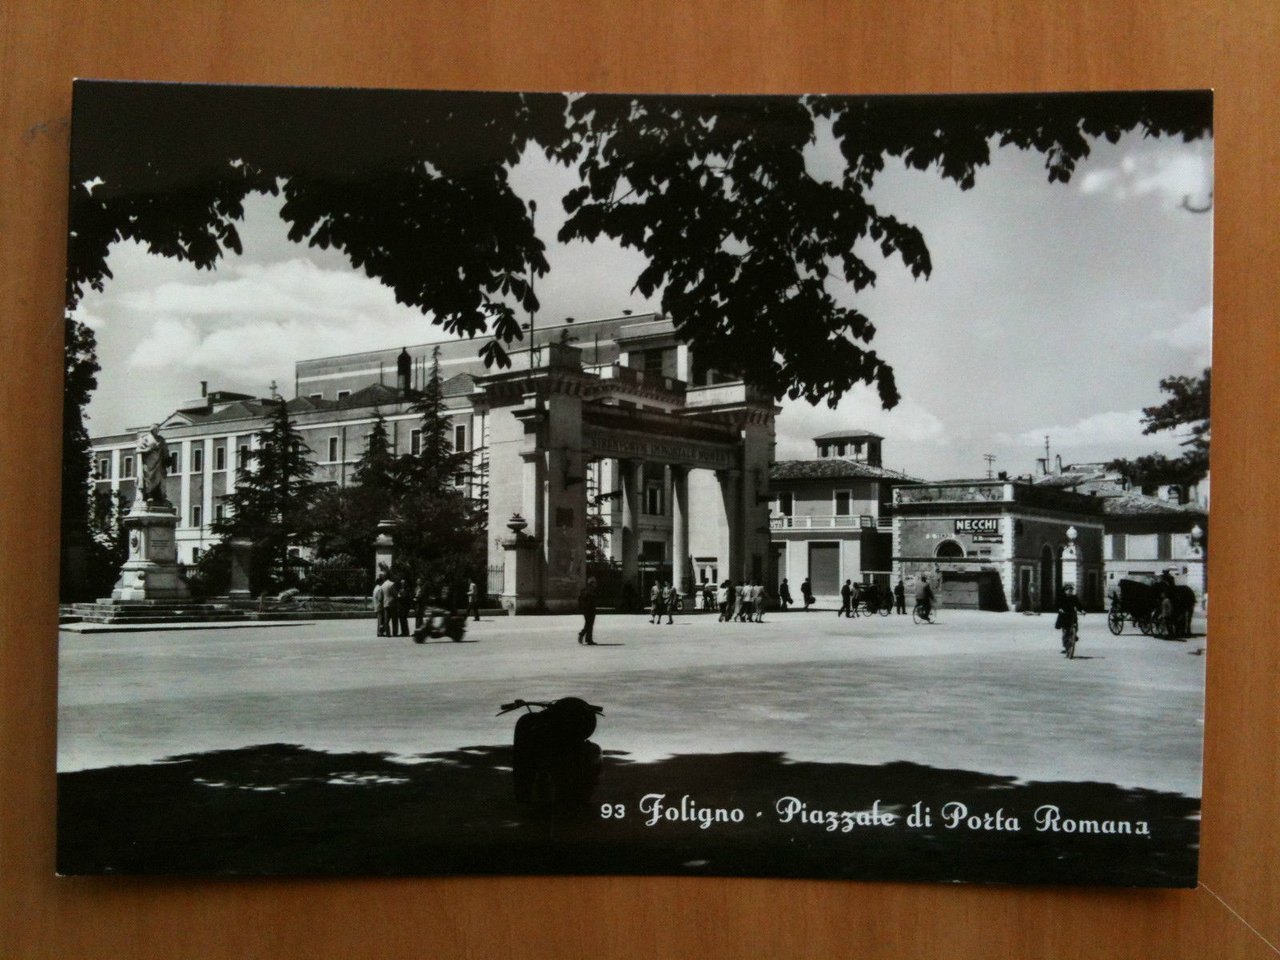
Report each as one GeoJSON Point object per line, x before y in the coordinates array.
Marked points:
{"type": "Point", "coordinates": [554, 763]}
{"type": "Point", "coordinates": [441, 623]}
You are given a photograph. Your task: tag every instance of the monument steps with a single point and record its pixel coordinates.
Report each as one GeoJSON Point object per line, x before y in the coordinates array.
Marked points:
{"type": "Point", "coordinates": [155, 611]}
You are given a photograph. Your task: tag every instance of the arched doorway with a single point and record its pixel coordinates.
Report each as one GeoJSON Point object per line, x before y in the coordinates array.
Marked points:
{"type": "Point", "coordinates": [1048, 581]}
{"type": "Point", "coordinates": [949, 549]}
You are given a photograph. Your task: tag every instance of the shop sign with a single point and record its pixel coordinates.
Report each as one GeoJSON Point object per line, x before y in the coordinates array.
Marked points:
{"type": "Point", "coordinates": [988, 525]}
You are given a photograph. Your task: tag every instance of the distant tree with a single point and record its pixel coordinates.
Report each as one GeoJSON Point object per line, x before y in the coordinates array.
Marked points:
{"type": "Point", "coordinates": [436, 464]}
{"type": "Point", "coordinates": [439, 531]}
{"type": "Point", "coordinates": [85, 565]}
{"type": "Point", "coordinates": [272, 502]}
{"type": "Point", "coordinates": [1186, 409]}
{"type": "Point", "coordinates": [345, 519]}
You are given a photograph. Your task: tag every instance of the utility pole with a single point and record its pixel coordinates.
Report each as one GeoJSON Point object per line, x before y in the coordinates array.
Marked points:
{"type": "Point", "coordinates": [990, 458]}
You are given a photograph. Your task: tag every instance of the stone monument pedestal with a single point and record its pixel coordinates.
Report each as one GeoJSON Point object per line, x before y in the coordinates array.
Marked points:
{"type": "Point", "coordinates": [151, 572]}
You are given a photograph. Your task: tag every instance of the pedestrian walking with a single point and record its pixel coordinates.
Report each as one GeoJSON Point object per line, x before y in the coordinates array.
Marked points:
{"type": "Point", "coordinates": [759, 601]}
{"type": "Point", "coordinates": [900, 596]}
{"type": "Point", "coordinates": [740, 603]}
{"type": "Point", "coordinates": [421, 595]}
{"type": "Point", "coordinates": [587, 607]}
{"type": "Point", "coordinates": [655, 602]}
{"type": "Point", "coordinates": [670, 600]}
{"type": "Point", "coordinates": [806, 593]}
{"type": "Point", "coordinates": [784, 595]}
{"type": "Point", "coordinates": [722, 600]}
{"type": "Point", "coordinates": [846, 596]}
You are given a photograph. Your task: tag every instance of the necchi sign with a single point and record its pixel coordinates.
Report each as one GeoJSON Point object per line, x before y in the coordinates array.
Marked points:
{"type": "Point", "coordinates": [988, 525]}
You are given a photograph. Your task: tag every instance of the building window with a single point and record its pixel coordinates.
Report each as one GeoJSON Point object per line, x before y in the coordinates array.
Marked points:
{"type": "Point", "coordinates": [104, 468]}
{"type": "Point", "coordinates": [653, 499]}
{"type": "Point", "coordinates": [219, 458]}
{"type": "Point", "coordinates": [1164, 546]}
{"type": "Point", "coordinates": [343, 394]}
{"type": "Point", "coordinates": [195, 554]}
{"type": "Point", "coordinates": [174, 465]}
{"type": "Point", "coordinates": [459, 479]}
{"type": "Point", "coordinates": [333, 449]}
{"type": "Point", "coordinates": [786, 504]}
{"type": "Point", "coordinates": [197, 515]}
{"type": "Point", "coordinates": [126, 468]}
{"type": "Point", "coordinates": [197, 459]}
{"type": "Point", "coordinates": [653, 362]}
{"type": "Point", "coordinates": [220, 511]}
{"type": "Point", "coordinates": [415, 442]}
{"type": "Point", "coordinates": [242, 456]}
{"type": "Point", "coordinates": [315, 396]}
{"type": "Point", "coordinates": [824, 450]}
{"type": "Point", "coordinates": [1117, 546]}
{"type": "Point", "coordinates": [840, 449]}
{"type": "Point", "coordinates": [843, 503]}
{"type": "Point", "coordinates": [459, 438]}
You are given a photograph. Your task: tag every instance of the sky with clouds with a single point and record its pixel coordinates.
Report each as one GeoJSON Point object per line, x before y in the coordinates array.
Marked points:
{"type": "Point", "coordinates": [1052, 309]}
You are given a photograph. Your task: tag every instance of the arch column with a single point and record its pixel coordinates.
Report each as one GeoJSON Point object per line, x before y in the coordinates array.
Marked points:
{"type": "Point", "coordinates": [629, 477]}
{"type": "Point", "coordinates": [679, 526]}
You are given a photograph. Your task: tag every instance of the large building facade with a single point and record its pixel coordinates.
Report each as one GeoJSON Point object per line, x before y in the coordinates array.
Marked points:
{"type": "Point", "coordinates": [609, 426]}
{"type": "Point", "coordinates": [609, 447]}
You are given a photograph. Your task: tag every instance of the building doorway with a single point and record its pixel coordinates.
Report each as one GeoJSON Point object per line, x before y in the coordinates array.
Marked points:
{"type": "Point", "coordinates": [1048, 582]}
{"type": "Point", "coordinates": [824, 568]}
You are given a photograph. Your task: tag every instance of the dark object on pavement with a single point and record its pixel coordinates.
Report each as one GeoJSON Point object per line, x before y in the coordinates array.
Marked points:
{"type": "Point", "coordinates": [554, 762]}
{"type": "Point", "coordinates": [437, 622]}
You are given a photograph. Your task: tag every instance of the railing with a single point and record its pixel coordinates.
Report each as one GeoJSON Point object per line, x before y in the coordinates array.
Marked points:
{"type": "Point", "coordinates": [826, 522]}
{"type": "Point", "coordinates": [639, 378]}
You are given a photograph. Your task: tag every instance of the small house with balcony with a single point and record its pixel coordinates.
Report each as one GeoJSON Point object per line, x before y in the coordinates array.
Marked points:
{"type": "Point", "coordinates": [831, 516]}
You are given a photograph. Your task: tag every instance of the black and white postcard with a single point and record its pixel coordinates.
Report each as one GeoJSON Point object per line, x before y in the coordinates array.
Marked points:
{"type": "Point", "coordinates": [486, 482]}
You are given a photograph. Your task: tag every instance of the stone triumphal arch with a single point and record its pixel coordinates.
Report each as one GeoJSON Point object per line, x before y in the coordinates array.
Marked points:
{"type": "Point", "coordinates": [563, 440]}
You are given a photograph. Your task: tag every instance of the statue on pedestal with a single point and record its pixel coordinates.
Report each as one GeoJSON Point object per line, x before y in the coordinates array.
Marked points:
{"type": "Point", "coordinates": [153, 458]}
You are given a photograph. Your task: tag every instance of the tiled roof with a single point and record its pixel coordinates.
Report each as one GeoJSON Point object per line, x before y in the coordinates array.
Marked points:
{"type": "Point", "coordinates": [847, 434]}
{"type": "Point", "coordinates": [1140, 505]}
{"type": "Point", "coordinates": [834, 468]}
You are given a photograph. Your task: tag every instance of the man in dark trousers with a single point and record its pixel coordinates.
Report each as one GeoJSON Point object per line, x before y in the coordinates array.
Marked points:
{"type": "Point", "coordinates": [587, 607]}
{"type": "Point", "coordinates": [784, 595]}
{"type": "Point", "coordinates": [669, 600]}
{"type": "Point", "coordinates": [806, 591]}
{"type": "Point", "coordinates": [900, 596]}
{"type": "Point", "coordinates": [846, 599]}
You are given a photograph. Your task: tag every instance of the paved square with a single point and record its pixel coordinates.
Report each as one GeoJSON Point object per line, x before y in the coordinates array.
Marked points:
{"type": "Point", "coordinates": [976, 691]}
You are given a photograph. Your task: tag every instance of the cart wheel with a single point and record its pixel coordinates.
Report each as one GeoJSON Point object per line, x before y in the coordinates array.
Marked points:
{"type": "Point", "coordinates": [1115, 621]}
{"type": "Point", "coordinates": [1145, 626]}
{"type": "Point", "coordinates": [886, 609]}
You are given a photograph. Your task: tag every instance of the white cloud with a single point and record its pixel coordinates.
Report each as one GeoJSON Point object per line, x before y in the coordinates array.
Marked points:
{"type": "Point", "coordinates": [1174, 173]}
{"type": "Point", "coordinates": [1115, 429]}
{"type": "Point", "coordinates": [1194, 335]}
{"type": "Point", "coordinates": [907, 423]}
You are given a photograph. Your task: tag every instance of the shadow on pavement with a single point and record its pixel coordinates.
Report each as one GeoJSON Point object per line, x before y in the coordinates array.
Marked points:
{"type": "Point", "coordinates": [280, 809]}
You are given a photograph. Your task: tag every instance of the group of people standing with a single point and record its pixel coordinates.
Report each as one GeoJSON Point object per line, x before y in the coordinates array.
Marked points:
{"type": "Point", "coordinates": [741, 604]}
{"type": "Point", "coordinates": [394, 596]}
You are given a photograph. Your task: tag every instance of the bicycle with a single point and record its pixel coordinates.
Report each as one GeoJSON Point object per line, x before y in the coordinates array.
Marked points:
{"type": "Point", "coordinates": [924, 613]}
{"type": "Point", "coordinates": [1070, 639]}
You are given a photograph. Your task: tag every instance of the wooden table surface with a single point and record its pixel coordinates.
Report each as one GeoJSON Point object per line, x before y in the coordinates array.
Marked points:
{"type": "Point", "coordinates": [784, 46]}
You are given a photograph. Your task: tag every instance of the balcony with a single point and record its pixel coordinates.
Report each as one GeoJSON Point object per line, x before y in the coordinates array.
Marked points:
{"type": "Point", "coordinates": [831, 522]}
{"type": "Point", "coordinates": [639, 378]}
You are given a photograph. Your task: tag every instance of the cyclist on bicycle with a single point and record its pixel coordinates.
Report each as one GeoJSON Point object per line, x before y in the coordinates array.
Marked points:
{"type": "Point", "coordinates": [1069, 606]}
{"type": "Point", "coordinates": [924, 597]}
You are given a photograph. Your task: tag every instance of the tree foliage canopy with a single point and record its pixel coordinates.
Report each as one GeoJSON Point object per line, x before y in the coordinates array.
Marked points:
{"type": "Point", "coordinates": [739, 236]}
{"type": "Point", "coordinates": [1186, 409]}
